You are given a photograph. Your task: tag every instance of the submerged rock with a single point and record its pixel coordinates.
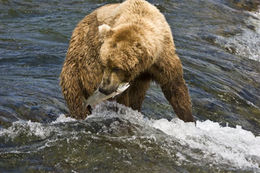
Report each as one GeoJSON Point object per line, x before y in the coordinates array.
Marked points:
{"type": "Point", "coordinates": [250, 5]}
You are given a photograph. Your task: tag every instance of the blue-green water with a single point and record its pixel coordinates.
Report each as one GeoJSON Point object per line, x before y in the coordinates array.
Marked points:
{"type": "Point", "coordinates": [219, 45]}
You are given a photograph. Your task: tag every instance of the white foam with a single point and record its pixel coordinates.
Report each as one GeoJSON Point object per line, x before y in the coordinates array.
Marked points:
{"type": "Point", "coordinates": [27, 127]}
{"type": "Point", "coordinates": [219, 145]}
{"type": "Point", "coordinates": [223, 145]}
{"type": "Point", "coordinates": [62, 118]}
{"type": "Point", "coordinates": [37, 129]}
{"type": "Point", "coordinates": [236, 147]}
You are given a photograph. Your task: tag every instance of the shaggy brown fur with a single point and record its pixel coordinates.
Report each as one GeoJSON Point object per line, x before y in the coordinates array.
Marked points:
{"type": "Point", "coordinates": [127, 42]}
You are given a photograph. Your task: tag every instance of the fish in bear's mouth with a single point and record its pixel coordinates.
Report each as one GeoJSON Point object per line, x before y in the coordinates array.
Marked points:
{"type": "Point", "coordinates": [97, 97]}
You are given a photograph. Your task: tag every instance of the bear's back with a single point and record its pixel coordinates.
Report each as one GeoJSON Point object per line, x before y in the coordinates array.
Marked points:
{"type": "Point", "coordinates": [130, 11]}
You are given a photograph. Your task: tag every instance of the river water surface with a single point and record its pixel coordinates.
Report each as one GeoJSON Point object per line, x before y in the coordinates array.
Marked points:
{"type": "Point", "coordinates": [218, 42]}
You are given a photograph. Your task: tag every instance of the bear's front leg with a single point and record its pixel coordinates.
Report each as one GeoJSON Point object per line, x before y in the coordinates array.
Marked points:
{"type": "Point", "coordinates": [73, 94]}
{"type": "Point", "coordinates": [169, 74]}
{"type": "Point", "coordinates": [178, 96]}
{"type": "Point", "coordinates": [76, 104]}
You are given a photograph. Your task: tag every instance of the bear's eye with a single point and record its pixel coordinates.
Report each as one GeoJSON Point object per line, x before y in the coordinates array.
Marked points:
{"type": "Point", "coordinates": [116, 69]}
{"type": "Point", "coordinates": [114, 45]}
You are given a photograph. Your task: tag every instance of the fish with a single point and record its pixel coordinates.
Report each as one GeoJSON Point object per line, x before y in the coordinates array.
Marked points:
{"type": "Point", "coordinates": [98, 97]}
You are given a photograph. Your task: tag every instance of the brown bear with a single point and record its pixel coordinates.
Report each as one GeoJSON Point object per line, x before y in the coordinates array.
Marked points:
{"type": "Point", "coordinates": [127, 42]}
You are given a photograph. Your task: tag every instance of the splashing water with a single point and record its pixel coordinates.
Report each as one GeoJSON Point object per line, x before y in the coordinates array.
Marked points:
{"type": "Point", "coordinates": [207, 143]}
{"type": "Point", "coordinates": [235, 146]}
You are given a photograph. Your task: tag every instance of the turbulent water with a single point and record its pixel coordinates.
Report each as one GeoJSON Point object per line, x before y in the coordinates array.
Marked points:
{"type": "Point", "coordinates": [218, 42]}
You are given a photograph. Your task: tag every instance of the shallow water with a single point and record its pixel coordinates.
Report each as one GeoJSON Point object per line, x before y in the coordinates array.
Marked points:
{"type": "Point", "coordinates": [219, 45]}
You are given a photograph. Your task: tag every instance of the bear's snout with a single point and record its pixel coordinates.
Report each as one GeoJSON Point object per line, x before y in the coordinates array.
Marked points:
{"type": "Point", "coordinates": [105, 91]}
{"type": "Point", "coordinates": [109, 83]}
{"type": "Point", "coordinates": [107, 87]}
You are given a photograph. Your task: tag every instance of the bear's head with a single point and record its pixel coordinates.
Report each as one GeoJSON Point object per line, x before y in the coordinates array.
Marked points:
{"type": "Point", "coordinates": [125, 53]}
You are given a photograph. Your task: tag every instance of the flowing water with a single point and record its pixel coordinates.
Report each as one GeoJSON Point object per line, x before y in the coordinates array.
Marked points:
{"type": "Point", "coordinates": [218, 42]}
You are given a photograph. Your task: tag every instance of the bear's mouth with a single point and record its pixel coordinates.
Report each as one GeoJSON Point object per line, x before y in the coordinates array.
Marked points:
{"type": "Point", "coordinates": [107, 91]}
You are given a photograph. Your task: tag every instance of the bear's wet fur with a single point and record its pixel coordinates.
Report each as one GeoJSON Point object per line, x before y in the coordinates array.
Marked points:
{"type": "Point", "coordinates": [127, 42]}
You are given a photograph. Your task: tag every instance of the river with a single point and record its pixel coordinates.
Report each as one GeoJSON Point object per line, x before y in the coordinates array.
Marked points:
{"type": "Point", "coordinates": [218, 42]}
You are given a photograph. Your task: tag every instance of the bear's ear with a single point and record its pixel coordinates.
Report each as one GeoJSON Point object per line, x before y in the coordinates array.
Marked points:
{"type": "Point", "coordinates": [104, 30]}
